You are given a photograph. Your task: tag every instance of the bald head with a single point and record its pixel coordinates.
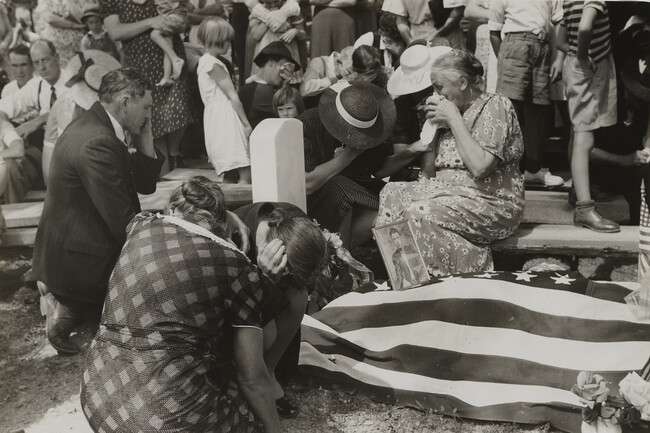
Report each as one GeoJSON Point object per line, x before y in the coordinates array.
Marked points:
{"type": "Point", "coordinates": [45, 60]}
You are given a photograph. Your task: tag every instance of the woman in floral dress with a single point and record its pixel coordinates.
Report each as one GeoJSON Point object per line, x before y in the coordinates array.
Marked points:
{"type": "Point", "coordinates": [172, 109]}
{"type": "Point", "coordinates": [472, 192]}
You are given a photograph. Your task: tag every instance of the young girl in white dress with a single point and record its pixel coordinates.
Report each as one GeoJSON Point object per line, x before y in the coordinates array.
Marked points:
{"type": "Point", "coordinates": [224, 120]}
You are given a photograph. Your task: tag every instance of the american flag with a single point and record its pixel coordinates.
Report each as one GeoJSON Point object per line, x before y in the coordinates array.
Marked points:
{"type": "Point", "coordinates": [644, 236]}
{"type": "Point", "coordinates": [502, 346]}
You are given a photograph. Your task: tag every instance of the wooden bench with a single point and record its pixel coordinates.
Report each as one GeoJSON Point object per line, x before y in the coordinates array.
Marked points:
{"type": "Point", "coordinates": [22, 218]}
{"type": "Point", "coordinates": [278, 175]}
{"type": "Point", "coordinates": [569, 240]}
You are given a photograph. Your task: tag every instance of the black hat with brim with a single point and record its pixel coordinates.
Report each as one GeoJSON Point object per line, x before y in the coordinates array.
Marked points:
{"type": "Point", "coordinates": [359, 115]}
{"type": "Point", "coordinates": [277, 49]}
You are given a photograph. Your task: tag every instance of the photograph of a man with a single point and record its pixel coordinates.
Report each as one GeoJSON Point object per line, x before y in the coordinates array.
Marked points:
{"type": "Point", "coordinates": [407, 262]}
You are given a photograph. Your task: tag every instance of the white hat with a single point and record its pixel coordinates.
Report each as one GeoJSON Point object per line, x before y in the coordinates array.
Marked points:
{"type": "Point", "coordinates": [86, 70]}
{"type": "Point", "coordinates": [414, 72]}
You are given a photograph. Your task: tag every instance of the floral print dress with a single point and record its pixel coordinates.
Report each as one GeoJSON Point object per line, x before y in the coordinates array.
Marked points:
{"type": "Point", "coordinates": [456, 214]}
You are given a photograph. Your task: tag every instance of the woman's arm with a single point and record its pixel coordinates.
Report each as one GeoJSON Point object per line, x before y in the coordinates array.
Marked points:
{"type": "Point", "coordinates": [452, 22]}
{"type": "Point", "coordinates": [479, 161]}
{"type": "Point", "coordinates": [316, 178]}
{"type": "Point", "coordinates": [225, 84]}
{"type": "Point", "coordinates": [257, 29]}
{"type": "Point", "coordinates": [61, 23]}
{"type": "Point", "coordinates": [401, 158]}
{"type": "Point", "coordinates": [120, 32]}
{"type": "Point", "coordinates": [253, 376]}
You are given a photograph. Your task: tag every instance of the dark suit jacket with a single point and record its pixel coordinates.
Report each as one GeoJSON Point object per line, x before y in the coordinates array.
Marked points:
{"type": "Point", "coordinates": [92, 197]}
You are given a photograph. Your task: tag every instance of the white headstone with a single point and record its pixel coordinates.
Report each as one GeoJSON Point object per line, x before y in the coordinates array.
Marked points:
{"type": "Point", "coordinates": [278, 162]}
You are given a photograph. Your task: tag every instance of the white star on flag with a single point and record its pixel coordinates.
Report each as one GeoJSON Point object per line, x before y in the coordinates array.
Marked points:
{"type": "Point", "coordinates": [486, 275]}
{"type": "Point", "coordinates": [562, 279]}
{"type": "Point", "coordinates": [524, 276]}
{"type": "Point", "coordinates": [449, 278]}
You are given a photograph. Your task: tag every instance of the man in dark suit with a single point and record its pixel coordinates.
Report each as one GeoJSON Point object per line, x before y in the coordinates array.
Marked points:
{"type": "Point", "coordinates": [95, 178]}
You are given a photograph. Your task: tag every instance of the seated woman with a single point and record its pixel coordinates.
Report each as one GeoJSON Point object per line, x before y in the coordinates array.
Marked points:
{"type": "Point", "coordinates": [367, 66]}
{"type": "Point", "coordinates": [186, 325]}
{"type": "Point", "coordinates": [472, 192]}
{"type": "Point", "coordinates": [346, 157]}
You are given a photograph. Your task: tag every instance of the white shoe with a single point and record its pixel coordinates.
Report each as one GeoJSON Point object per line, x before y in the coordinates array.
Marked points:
{"type": "Point", "coordinates": [543, 177]}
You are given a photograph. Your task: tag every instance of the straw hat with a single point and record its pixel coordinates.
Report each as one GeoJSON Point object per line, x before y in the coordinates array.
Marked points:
{"type": "Point", "coordinates": [414, 72]}
{"type": "Point", "coordinates": [87, 69]}
{"type": "Point", "coordinates": [277, 48]}
{"type": "Point", "coordinates": [359, 115]}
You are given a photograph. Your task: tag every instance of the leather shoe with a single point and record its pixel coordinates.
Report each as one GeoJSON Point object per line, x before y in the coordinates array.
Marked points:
{"type": "Point", "coordinates": [285, 408]}
{"type": "Point", "coordinates": [591, 219]}
{"type": "Point", "coordinates": [60, 320]}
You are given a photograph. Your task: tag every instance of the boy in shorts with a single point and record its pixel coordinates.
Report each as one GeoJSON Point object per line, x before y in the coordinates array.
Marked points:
{"type": "Point", "coordinates": [590, 80]}
{"type": "Point", "coordinates": [524, 64]}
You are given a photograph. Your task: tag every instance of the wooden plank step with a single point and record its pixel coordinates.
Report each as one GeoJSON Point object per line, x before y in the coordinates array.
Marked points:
{"type": "Point", "coordinates": [18, 237]}
{"type": "Point", "coordinates": [28, 214]}
{"type": "Point", "coordinates": [22, 214]}
{"type": "Point", "coordinates": [236, 195]}
{"type": "Point", "coordinates": [35, 195]}
{"type": "Point", "coordinates": [552, 207]}
{"type": "Point", "coordinates": [186, 173]}
{"type": "Point", "coordinates": [570, 240]}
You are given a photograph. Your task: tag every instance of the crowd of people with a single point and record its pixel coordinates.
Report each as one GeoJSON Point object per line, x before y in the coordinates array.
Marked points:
{"type": "Point", "coordinates": [432, 112]}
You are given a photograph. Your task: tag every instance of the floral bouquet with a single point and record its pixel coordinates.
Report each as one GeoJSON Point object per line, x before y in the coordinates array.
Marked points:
{"type": "Point", "coordinates": [603, 412]}
{"type": "Point", "coordinates": [343, 274]}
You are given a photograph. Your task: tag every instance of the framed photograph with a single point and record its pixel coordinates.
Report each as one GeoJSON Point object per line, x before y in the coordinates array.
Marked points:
{"type": "Point", "coordinates": [401, 255]}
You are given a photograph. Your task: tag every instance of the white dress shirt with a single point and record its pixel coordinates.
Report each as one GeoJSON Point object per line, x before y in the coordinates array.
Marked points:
{"type": "Point", "coordinates": [34, 95]}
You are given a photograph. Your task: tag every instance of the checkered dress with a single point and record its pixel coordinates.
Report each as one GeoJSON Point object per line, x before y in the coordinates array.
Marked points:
{"type": "Point", "coordinates": [162, 358]}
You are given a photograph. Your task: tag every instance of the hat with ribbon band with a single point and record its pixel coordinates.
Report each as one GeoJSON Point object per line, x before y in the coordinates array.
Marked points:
{"type": "Point", "coordinates": [359, 115]}
{"type": "Point", "coordinates": [86, 71]}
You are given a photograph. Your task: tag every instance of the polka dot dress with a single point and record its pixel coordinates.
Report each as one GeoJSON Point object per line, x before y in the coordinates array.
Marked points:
{"type": "Point", "coordinates": [172, 106]}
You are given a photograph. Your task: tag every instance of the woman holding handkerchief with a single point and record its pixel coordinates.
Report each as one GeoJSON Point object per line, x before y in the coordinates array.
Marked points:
{"type": "Point", "coordinates": [472, 192]}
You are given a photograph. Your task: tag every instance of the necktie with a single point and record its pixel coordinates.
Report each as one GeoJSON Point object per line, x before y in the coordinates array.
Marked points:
{"type": "Point", "coordinates": [52, 97]}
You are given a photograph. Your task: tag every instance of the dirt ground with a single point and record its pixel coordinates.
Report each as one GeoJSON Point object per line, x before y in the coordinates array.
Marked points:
{"type": "Point", "coordinates": [39, 390]}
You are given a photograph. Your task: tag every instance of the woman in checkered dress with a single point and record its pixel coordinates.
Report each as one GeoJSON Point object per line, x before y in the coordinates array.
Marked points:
{"type": "Point", "coordinates": [180, 344]}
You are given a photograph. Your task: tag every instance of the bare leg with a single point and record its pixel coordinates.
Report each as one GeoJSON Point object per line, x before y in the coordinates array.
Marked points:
{"type": "Point", "coordinates": [582, 144]}
{"type": "Point", "coordinates": [175, 62]}
{"type": "Point", "coordinates": [244, 175]}
{"type": "Point", "coordinates": [174, 141]}
{"type": "Point", "coordinates": [162, 146]}
{"type": "Point", "coordinates": [363, 219]}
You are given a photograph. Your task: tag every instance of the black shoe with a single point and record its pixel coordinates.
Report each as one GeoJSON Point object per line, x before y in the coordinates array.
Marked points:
{"type": "Point", "coordinates": [286, 409]}
{"type": "Point", "coordinates": [591, 219]}
{"type": "Point", "coordinates": [59, 323]}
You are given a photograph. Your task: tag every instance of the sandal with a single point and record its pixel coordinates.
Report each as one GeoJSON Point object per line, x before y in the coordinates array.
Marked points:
{"type": "Point", "coordinates": [285, 408]}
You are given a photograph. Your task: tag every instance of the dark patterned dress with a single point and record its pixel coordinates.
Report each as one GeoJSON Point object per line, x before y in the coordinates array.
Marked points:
{"type": "Point", "coordinates": [332, 202]}
{"type": "Point", "coordinates": [161, 359]}
{"type": "Point", "coordinates": [172, 106]}
{"type": "Point", "coordinates": [456, 214]}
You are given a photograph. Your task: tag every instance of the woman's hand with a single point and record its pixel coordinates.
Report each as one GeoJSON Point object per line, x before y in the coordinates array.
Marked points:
{"type": "Point", "coordinates": [272, 260]}
{"type": "Point", "coordinates": [420, 147]}
{"type": "Point", "coordinates": [441, 110]}
{"type": "Point", "coordinates": [288, 36]}
{"type": "Point", "coordinates": [234, 224]}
